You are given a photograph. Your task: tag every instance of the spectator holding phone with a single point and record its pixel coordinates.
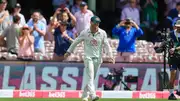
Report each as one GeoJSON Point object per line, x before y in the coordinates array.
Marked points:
{"type": "Point", "coordinates": [127, 31]}
{"type": "Point", "coordinates": [63, 14]}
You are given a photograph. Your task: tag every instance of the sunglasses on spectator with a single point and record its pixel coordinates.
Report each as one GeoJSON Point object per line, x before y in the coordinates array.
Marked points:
{"type": "Point", "coordinates": [25, 29]}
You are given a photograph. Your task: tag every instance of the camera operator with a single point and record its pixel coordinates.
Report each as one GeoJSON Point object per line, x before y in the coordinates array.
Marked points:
{"type": "Point", "coordinates": [127, 31]}
{"type": "Point", "coordinates": [174, 60]}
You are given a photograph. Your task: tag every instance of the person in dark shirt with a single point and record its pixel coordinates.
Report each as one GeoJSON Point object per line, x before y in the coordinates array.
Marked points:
{"type": "Point", "coordinates": [174, 12]}
{"type": "Point", "coordinates": [63, 39]}
{"type": "Point", "coordinates": [175, 35]}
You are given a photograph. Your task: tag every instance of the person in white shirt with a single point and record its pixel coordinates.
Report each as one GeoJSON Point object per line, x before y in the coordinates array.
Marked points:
{"type": "Point", "coordinates": [131, 12]}
{"type": "Point", "coordinates": [83, 17]}
{"type": "Point", "coordinates": [95, 40]}
{"type": "Point", "coordinates": [16, 11]}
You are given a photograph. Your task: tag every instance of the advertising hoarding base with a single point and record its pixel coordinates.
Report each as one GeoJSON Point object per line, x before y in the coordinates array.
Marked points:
{"type": "Point", "coordinates": [78, 94]}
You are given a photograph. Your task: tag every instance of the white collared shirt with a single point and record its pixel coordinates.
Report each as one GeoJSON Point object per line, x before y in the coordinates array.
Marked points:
{"type": "Point", "coordinates": [132, 13]}
{"type": "Point", "coordinates": [83, 20]}
{"type": "Point", "coordinates": [93, 43]}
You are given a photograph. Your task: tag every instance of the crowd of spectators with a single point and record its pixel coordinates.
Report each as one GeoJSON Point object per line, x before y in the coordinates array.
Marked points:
{"type": "Point", "coordinates": [48, 39]}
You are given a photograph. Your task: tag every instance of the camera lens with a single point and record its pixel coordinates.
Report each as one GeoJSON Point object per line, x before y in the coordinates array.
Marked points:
{"type": "Point", "coordinates": [127, 23]}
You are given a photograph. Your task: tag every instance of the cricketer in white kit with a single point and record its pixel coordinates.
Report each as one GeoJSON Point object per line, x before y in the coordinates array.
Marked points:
{"type": "Point", "coordinates": [95, 39]}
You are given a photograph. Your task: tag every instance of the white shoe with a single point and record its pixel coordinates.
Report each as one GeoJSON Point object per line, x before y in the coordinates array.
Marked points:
{"type": "Point", "coordinates": [96, 98]}
{"type": "Point", "coordinates": [84, 99]}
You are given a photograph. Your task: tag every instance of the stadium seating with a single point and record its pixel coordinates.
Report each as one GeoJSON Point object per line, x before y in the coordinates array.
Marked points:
{"type": "Point", "coordinates": [145, 52]}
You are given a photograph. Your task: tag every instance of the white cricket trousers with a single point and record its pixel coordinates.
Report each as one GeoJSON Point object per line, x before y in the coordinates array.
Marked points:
{"type": "Point", "coordinates": [91, 67]}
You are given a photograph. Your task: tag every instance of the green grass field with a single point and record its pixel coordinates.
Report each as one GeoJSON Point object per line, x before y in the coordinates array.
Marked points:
{"type": "Point", "coordinates": [25, 99]}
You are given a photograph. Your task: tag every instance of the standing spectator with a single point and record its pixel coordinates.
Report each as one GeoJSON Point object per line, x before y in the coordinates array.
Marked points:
{"type": "Point", "coordinates": [26, 41]}
{"type": "Point", "coordinates": [174, 12]}
{"type": "Point", "coordinates": [131, 12]}
{"type": "Point", "coordinates": [127, 31]}
{"type": "Point", "coordinates": [16, 11]}
{"type": "Point", "coordinates": [150, 12]}
{"type": "Point", "coordinates": [38, 31]}
{"type": "Point", "coordinates": [11, 34]}
{"type": "Point", "coordinates": [41, 18]}
{"type": "Point", "coordinates": [171, 4]}
{"type": "Point", "coordinates": [57, 3]}
{"type": "Point", "coordinates": [76, 7]}
{"type": "Point", "coordinates": [4, 16]}
{"type": "Point", "coordinates": [83, 17]}
{"type": "Point", "coordinates": [63, 14]}
{"type": "Point", "coordinates": [63, 39]}
{"type": "Point", "coordinates": [121, 4]}
{"type": "Point", "coordinates": [50, 29]}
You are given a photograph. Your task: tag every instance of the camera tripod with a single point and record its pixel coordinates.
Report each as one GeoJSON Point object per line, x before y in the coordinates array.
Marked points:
{"type": "Point", "coordinates": [166, 55]}
{"type": "Point", "coordinates": [119, 83]}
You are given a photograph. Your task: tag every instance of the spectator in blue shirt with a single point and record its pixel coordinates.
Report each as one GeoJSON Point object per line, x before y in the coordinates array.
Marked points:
{"type": "Point", "coordinates": [127, 31]}
{"type": "Point", "coordinates": [38, 30]}
{"type": "Point", "coordinates": [76, 7]}
{"type": "Point", "coordinates": [63, 39]}
{"type": "Point", "coordinates": [174, 12]}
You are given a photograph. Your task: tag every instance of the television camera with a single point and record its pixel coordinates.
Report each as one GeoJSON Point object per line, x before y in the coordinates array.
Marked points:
{"type": "Point", "coordinates": [166, 42]}
{"type": "Point", "coordinates": [114, 79]}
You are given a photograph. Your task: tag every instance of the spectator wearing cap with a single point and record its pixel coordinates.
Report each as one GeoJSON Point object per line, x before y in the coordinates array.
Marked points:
{"type": "Point", "coordinates": [127, 31]}
{"type": "Point", "coordinates": [176, 32]}
{"type": "Point", "coordinates": [83, 17]}
{"type": "Point", "coordinates": [11, 34]}
{"type": "Point", "coordinates": [63, 39]}
{"type": "Point", "coordinates": [4, 16]}
{"type": "Point", "coordinates": [132, 12]}
{"type": "Point", "coordinates": [38, 31]}
{"type": "Point", "coordinates": [16, 11]}
{"type": "Point", "coordinates": [175, 20]}
{"type": "Point", "coordinates": [95, 40]}
{"type": "Point", "coordinates": [76, 7]}
{"type": "Point", "coordinates": [26, 41]}
{"type": "Point", "coordinates": [174, 51]}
